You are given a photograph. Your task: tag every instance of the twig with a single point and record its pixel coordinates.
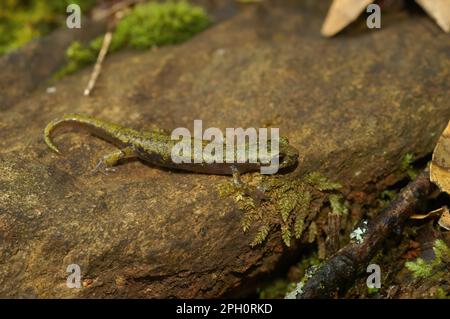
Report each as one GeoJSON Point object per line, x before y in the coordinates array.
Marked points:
{"type": "Point", "coordinates": [340, 271]}
{"type": "Point", "coordinates": [333, 228]}
{"type": "Point", "coordinates": [98, 64]}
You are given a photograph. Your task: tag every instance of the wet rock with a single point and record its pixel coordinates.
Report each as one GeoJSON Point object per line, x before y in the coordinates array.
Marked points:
{"type": "Point", "coordinates": [353, 106]}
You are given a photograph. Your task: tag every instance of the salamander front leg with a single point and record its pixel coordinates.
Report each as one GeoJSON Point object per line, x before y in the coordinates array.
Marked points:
{"type": "Point", "coordinates": [257, 194]}
{"type": "Point", "coordinates": [107, 162]}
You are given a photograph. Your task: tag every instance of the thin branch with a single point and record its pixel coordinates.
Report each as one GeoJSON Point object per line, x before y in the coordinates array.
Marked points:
{"type": "Point", "coordinates": [98, 64]}
{"type": "Point", "coordinates": [340, 271]}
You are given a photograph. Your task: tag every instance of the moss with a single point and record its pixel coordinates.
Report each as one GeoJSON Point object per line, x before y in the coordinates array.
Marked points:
{"type": "Point", "coordinates": [286, 203]}
{"type": "Point", "coordinates": [372, 291]}
{"type": "Point", "coordinates": [441, 251]}
{"type": "Point", "coordinates": [386, 197]}
{"type": "Point", "coordinates": [276, 289]}
{"type": "Point", "coordinates": [441, 294]}
{"type": "Point", "coordinates": [77, 56]}
{"type": "Point", "coordinates": [155, 24]}
{"type": "Point", "coordinates": [146, 26]}
{"type": "Point", "coordinates": [421, 269]}
{"type": "Point", "coordinates": [287, 287]}
{"type": "Point", "coordinates": [22, 21]}
{"type": "Point", "coordinates": [407, 167]}
{"type": "Point", "coordinates": [338, 205]}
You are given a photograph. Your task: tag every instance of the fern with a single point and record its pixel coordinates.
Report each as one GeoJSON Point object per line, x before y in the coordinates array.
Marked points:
{"type": "Point", "coordinates": [321, 183]}
{"type": "Point", "coordinates": [262, 234]}
{"type": "Point", "coordinates": [247, 220]}
{"type": "Point", "coordinates": [287, 204]}
{"type": "Point", "coordinates": [286, 234]}
{"type": "Point", "coordinates": [298, 226]}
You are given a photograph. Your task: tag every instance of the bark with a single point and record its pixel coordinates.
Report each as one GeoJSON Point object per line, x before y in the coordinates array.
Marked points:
{"type": "Point", "coordinates": [340, 271]}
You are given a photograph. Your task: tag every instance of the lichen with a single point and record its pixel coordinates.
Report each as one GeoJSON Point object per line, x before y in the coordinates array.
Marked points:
{"type": "Point", "coordinates": [298, 289]}
{"type": "Point", "coordinates": [422, 269]}
{"type": "Point", "coordinates": [286, 203]}
{"type": "Point", "coordinates": [291, 286]}
{"type": "Point", "coordinates": [145, 26]}
{"type": "Point", "coordinates": [358, 234]}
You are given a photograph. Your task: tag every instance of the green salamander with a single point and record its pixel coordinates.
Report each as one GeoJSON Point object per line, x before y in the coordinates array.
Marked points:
{"type": "Point", "coordinates": [155, 147]}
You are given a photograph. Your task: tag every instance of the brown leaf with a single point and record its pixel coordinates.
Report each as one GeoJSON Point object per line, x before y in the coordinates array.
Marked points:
{"type": "Point", "coordinates": [344, 12]}
{"type": "Point", "coordinates": [444, 221]}
{"type": "Point", "coordinates": [443, 214]}
{"type": "Point", "coordinates": [341, 14]}
{"type": "Point", "coordinates": [439, 10]}
{"type": "Point", "coordinates": [440, 164]}
{"type": "Point", "coordinates": [432, 214]}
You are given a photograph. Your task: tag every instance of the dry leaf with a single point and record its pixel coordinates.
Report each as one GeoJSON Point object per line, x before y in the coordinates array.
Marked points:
{"type": "Point", "coordinates": [439, 10]}
{"type": "Point", "coordinates": [434, 213]}
{"type": "Point", "coordinates": [440, 164]}
{"type": "Point", "coordinates": [444, 221]}
{"type": "Point", "coordinates": [443, 214]}
{"type": "Point", "coordinates": [341, 14]}
{"type": "Point", "coordinates": [344, 12]}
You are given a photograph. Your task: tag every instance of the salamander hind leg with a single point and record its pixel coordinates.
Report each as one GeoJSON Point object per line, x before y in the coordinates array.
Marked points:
{"type": "Point", "coordinates": [107, 162]}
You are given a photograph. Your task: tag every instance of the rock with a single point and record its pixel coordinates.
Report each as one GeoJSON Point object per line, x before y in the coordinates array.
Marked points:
{"type": "Point", "coordinates": [23, 70]}
{"type": "Point", "coordinates": [353, 106]}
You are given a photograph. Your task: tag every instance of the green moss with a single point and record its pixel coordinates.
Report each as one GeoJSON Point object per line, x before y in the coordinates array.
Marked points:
{"type": "Point", "coordinates": [277, 289]}
{"type": "Point", "coordinates": [77, 57]}
{"type": "Point", "coordinates": [146, 26]}
{"type": "Point", "coordinates": [155, 24]}
{"type": "Point", "coordinates": [441, 294]}
{"type": "Point", "coordinates": [421, 269]}
{"type": "Point", "coordinates": [407, 167]}
{"type": "Point", "coordinates": [338, 205]}
{"type": "Point", "coordinates": [372, 291]}
{"type": "Point", "coordinates": [386, 197]}
{"type": "Point", "coordinates": [285, 288]}
{"type": "Point", "coordinates": [286, 203]}
{"type": "Point", "coordinates": [22, 21]}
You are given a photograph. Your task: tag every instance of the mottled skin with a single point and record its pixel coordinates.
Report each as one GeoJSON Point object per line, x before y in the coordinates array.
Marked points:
{"type": "Point", "coordinates": [155, 147]}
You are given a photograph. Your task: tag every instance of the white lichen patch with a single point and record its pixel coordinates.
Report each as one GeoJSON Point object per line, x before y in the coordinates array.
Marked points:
{"type": "Point", "coordinates": [297, 291]}
{"type": "Point", "coordinates": [358, 234]}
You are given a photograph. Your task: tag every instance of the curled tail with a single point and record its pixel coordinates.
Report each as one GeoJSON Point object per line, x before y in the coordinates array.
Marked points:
{"type": "Point", "coordinates": [113, 133]}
